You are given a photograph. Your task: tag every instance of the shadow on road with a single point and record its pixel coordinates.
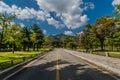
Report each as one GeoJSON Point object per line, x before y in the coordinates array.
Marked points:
{"type": "Point", "coordinates": [68, 71]}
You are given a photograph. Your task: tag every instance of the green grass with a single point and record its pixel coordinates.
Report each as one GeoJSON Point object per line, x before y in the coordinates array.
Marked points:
{"type": "Point", "coordinates": [111, 53]}
{"type": "Point", "coordinates": [114, 54]}
{"type": "Point", "coordinates": [6, 58]}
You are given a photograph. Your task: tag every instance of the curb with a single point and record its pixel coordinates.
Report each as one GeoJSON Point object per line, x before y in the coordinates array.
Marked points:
{"type": "Point", "coordinates": [103, 66]}
{"type": "Point", "coordinates": [7, 73]}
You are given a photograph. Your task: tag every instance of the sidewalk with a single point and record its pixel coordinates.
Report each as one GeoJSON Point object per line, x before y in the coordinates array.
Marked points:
{"type": "Point", "coordinates": [108, 63]}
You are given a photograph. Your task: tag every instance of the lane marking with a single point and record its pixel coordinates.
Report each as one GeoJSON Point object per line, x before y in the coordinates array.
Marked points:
{"type": "Point", "coordinates": [57, 68]}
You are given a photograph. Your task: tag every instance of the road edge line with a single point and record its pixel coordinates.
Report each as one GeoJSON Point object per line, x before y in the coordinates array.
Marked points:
{"type": "Point", "coordinates": [105, 67]}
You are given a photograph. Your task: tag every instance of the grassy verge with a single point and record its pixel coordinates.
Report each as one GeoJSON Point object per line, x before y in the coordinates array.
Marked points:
{"type": "Point", "coordinates": [114, 54]}
{"type": "Point", "coordinates": [111, 53]}
{"type": "Point", "coordinates": [8, 59]}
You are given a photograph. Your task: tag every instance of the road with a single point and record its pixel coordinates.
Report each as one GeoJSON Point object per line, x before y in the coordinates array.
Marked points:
{"type": "Point", "coordinates": [59, 65]}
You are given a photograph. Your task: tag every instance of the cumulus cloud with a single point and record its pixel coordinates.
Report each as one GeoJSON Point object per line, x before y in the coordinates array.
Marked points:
{"type": "Point", "coordinates": [115, 2]}
{"type": "Point", "coordinates": [52, 21]}
{"type": "Point", "coordinates": [69, 33]}
{"type": "Point", "coordinates": [69, 11]}
{"type": "Point", "coordinates": [26, 13]}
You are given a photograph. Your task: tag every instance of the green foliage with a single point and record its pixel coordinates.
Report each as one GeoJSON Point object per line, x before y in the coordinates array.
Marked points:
{"type": "Point", "coordinates": [37, 36]}
{"type": "Point", "coordinates": [66, 41]}
{"type": "Point", "coordinates": [12, 35]}
{"type": "Point", "coordinates": [15, 37]}
{"type": "Point", "coordinates": [25, 37]}
{"type": "Point", "coordinates": [71, 45]}
{"type": "Point", "coordinates": [104, 27]}
{"type": "Point", "coordinates": [5, 21]}
{"type": "Point", "coordinates": [117, 11]}
{"type": "Point", "coordinates": [88, 39]}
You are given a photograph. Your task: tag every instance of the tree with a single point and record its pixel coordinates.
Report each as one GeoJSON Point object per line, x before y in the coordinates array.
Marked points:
{"type": "Point", "coordinates": [49, 40]}
{"type": "Point", "coordinates": [37, 36]}
{"type": "Point", "coordinates": [25, 37]}
{"type": "Point", "coordinates": [5, 21]}
{"type": "Point", "coordinates": [12, 35]}
{"type": "Point", "coordinates": [88, 39]}
{"type": "Point", "coordinates": [104, 27]}
{"type": "Point", "coordinates": [71, 45]}
{"type": "Point", "coordinates": [117, 12]}
{"type": "Point", "coordinates": [66, 40]}
{"type": "Point", "coordinates": [116, 39]}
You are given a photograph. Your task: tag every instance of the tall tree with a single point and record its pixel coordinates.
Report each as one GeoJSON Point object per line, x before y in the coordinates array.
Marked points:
{"type": "Point", "coordinates": [5, 21]}
{"type": "Point", "coordinates": [88, 38]}
{"type": "Point", "coordinates": [25, 37]}
{"type": "Point", "coordinates": [103, 27]}
{"type": "Point", "coordinates": [12, 35]}
{"type": "Point", "coordinates": [37, 36]}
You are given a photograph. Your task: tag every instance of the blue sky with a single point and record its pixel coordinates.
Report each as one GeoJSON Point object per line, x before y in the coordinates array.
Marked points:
{"type": "Point", "coordinates": [58, 16]}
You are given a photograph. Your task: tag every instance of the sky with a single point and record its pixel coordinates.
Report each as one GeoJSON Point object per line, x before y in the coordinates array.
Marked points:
{"type": "Point", "coordinates": [58, 16]}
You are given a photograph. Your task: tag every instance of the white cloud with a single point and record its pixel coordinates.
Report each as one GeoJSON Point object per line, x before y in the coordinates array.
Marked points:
{"type": "Point", "coordinates": [68, 33]}
{"type": "Point", "coordinates": [115, 2]}
{"type": "Point", "coordinates": [89, 5]}
{"type": "Point", "coordinates": [52, 21]}
{"type": "Point", "coordinates": [4, 7]}
{"type": "Point", "coordinates": [22, 25]}
{"type": "Point", "coordinates": [44, 31]}
{"type": "Point", "coordinates": [69, 11]}
{"type": "Point", "coordinates": [26, 13]}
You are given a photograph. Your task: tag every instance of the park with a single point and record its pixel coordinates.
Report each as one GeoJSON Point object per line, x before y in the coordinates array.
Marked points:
{"type": "Point", "coordinates": [28, 50]}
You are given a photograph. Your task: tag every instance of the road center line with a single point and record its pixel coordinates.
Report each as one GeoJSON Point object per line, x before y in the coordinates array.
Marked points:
{"type": "Point", "coordinates": [57, 68]}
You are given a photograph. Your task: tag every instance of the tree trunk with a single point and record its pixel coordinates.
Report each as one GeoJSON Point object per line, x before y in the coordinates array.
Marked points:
{"type": "Point", "coordinates": [13, 48]}
{"type": "Point", "coordinates": [1, 40]}
{"type": "Point", "coordinates": [37, 47]}
{"type": "Point", "coordinates": [102, 44]}
{"type": "Point", "coordinates": [24, 47]}
{"type": "Point", "coordinates": [28, 47]}
{"type": "Point", "coordinates": [112, 46]}
{"type": "Point", "coordinates": [33, 47]}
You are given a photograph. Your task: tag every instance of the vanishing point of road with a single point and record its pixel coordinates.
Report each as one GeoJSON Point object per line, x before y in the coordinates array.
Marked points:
{"type": "Point", "coordinates": [60, 65]}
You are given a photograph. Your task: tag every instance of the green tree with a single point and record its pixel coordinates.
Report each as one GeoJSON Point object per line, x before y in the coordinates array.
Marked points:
{"type": "Point", "coordinates": [37, 36]}
{"type": "Point", "coordinates": [49, 40]}
{"type": "Point", "coordinates": [104, 27]}
{"type": "Point", "coordinates": [66, 40]}
{"type": "Point", "coordinates": [88, 38]}
{"type": "Point", "coordinates": [71, 45]}
{"type": "Point", "coordinates": [12, 35]}
{"type": "Point", "coordinates": [25, 37]}
{"type": "Point", "coordinates": [5, 21]}
{"type": "Point", "coordinates": [116, 39]}
{"type": "Point", "coordinates": [117, 12]}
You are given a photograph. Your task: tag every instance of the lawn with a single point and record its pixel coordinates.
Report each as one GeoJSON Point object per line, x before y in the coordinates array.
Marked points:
{"type": "Point", "coordinates": [114, 54]}
{"type": "Point", "coordinates": [8, 59]}
{"type": "Point", "coordinates": [111, 53]}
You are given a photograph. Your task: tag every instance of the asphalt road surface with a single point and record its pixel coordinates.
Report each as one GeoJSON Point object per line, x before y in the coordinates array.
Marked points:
{"type": "Point", "coordinates": [59, 65]}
